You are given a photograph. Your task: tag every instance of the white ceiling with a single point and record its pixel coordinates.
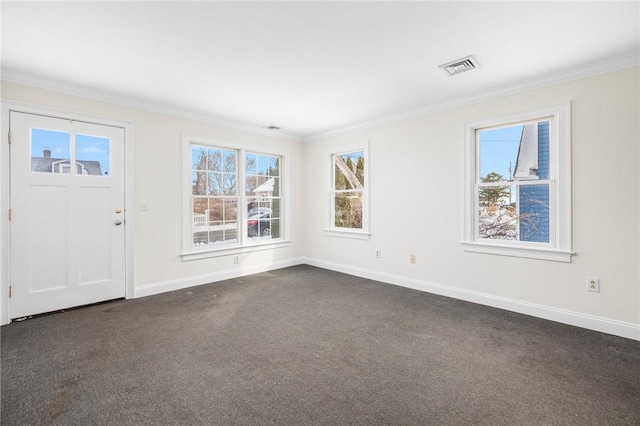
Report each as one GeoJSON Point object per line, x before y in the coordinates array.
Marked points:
{"type": "Point", "coordinates": [309, 67]}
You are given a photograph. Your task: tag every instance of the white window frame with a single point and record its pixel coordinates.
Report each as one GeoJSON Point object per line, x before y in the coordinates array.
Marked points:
{"type": "Point", "coordinates": [244, 243]}
{"type": "Point", "coordinates": [332, 230]}
{"type": "Point", "coordinates": [559, 246]}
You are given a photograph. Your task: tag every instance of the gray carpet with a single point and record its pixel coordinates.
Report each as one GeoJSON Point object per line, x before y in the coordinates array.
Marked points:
{"type": "Point", "coordinates": [306, 346]}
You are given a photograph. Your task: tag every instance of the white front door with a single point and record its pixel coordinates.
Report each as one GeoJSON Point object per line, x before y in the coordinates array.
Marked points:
{"type": "Point", "coordinates": [67, 214]}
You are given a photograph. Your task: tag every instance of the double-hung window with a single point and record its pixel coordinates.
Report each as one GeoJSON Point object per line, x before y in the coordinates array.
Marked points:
{"type": "Point", "coordinates": [233, 198]}
{"type": "Point", "coordinates": [349, 215]}
{"type": "Point", "coordinates": [517, 185]}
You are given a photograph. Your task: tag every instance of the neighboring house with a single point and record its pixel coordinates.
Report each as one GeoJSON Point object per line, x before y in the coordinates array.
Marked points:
{"type": "Point", "coordinates": [265, 190]}
{"type": "Point", "coordinates": [533, 200]}
{"type": "Point", "coordinates": [47, 164]}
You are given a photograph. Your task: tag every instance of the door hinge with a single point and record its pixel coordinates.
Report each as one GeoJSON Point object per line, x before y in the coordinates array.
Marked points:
{"type": "Point", "coordinates": [9, 134]}
{"type": "Point", "coordinates": [10, 291]}
{"type": "Point", "coordinates": [10, 215]}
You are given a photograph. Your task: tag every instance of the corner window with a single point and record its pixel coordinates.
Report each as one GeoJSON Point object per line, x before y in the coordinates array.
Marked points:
{"type": "Point", "coordinates": [234, 200]}
{"type": "Point", "coordinates": [349, 214]}
{"type": "Point", "coordinates": [517, 185]}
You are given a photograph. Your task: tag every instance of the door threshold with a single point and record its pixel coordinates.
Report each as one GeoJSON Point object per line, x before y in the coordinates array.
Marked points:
{"type": "Point", "coordinates": [62, 311]}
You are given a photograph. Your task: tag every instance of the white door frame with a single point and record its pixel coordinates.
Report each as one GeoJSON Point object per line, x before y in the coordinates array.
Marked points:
{"type": "Point", "coordinates": [129, 210]}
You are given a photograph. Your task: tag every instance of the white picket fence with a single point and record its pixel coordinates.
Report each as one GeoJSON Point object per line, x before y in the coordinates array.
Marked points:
{"type": "Point", "coordinates": [200, 219]}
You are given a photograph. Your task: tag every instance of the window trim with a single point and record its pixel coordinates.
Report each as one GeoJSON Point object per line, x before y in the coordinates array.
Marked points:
{"type": "Point", "coordinates": [332, 230]}
{"type": "Point", "coordinates": [559, 247]}
{"type": "Point", "coordinates": [244, 244]}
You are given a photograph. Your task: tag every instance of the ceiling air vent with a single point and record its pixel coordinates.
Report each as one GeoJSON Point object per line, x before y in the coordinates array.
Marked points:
{"type": "Point", "coordinates": [460, 65]}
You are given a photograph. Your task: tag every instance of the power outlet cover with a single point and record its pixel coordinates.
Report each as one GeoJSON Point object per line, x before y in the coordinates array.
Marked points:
{"type": "Point", "coordinates": [593, 284]}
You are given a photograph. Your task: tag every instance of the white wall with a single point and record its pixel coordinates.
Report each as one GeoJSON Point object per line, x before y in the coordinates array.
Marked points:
{"type": "Point", "coordinates": [157, 179]}
{"type": "Point", "coordinates": [416, 208]}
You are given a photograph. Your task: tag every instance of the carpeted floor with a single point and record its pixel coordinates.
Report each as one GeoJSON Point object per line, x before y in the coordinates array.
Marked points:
{"type": "Point", "coordinates": [306, 346]}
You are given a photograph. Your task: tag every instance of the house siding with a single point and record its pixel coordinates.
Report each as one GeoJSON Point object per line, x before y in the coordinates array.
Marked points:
{"type": "Point", "coordinates": [534, 199]}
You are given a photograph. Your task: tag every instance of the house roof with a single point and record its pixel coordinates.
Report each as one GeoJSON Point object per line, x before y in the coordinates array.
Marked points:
{"type": "Point", "coordinates": [267, 186]}
{"type": "Point", "coordinates": [44, 165]}
{"type": "Point", "coordinates": [527, 162]}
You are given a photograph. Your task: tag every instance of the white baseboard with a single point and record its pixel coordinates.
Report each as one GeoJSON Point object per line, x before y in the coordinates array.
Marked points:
{"type": "Point", "coordinates": [591, 322]}
{"type": "Point", "coordinates": [604, 325]}
{"type": "Point", "coordinates": [164, 286]}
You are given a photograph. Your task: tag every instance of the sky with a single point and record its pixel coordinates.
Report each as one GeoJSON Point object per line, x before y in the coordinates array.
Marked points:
{"type": "Point", "coordinates": [88, 148]}
{"type": "Point", "coordinates": [498, 147]}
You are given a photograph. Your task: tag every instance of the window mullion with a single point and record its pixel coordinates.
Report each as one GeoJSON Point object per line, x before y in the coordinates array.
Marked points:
{"type": "Point", "coordinates": [242, 196]}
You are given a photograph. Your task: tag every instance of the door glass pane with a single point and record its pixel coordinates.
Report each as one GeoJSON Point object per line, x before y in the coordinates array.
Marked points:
{"type": "Point", "coordinates": [92, 155]}
{"type": "Point", "coordinates": [50, 151]}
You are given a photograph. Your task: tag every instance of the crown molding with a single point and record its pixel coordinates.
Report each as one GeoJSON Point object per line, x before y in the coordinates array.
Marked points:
{"type": "Point", "coordinates": [29, 79]}
{"type": "Point", "coordinates": [576, 73]}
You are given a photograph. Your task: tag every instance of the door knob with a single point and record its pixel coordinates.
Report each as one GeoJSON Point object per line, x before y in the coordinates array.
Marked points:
{"type": "Point", "coordinates": [118, 222]}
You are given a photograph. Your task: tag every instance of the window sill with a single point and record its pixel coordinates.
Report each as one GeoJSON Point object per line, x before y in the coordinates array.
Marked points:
{"type": "Point", "coordinates": [513, 251]}
{"type": "Point", "coordinates": [347, 233]}
{"type": "Point", "coordinates": [228, 251]}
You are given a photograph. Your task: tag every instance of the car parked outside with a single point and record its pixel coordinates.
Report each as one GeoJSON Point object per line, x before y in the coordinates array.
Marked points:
{"type": "Point", "coordinates": [259, 223]}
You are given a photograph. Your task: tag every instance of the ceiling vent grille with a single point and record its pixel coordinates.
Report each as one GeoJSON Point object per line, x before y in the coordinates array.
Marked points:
{"type": "Point", "coordinates": [460, 65]}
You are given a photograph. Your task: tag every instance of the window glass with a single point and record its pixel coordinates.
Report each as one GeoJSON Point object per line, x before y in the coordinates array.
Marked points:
{"type": "Point", "coordinates": [262, 189]}
{"type": "Point", "coordinates": [533, 213]}
{"type": "Point", "coordinates": [499, 152]}
{"type": "Point", "coordinates": [213, 193]}
{"type": "Point", "coordinates": [50, 151]}
{"type": "Point", "coordinates": [509, 157]}
{"type": "Point", "coordinates": [348, 189]}
{"type": "Point", "coordinates": [92, 155]}
{"type": "Point", "coordinates": [221, 215]}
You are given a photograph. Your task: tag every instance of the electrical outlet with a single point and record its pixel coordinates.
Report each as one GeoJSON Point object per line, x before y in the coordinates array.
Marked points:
{"type": "Point", "coordinates": [236, 259]}
{"type": "Point", "coordinates": [412, 259]}
{"type": "Point", "coordinates": [593, 284]}
{"type": "Point", "coordinates": [378, 253]}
